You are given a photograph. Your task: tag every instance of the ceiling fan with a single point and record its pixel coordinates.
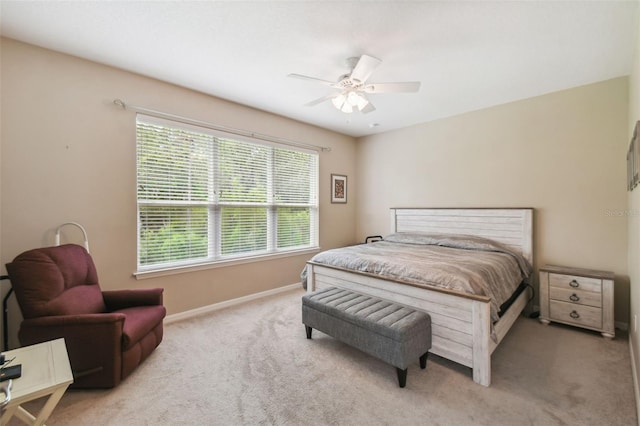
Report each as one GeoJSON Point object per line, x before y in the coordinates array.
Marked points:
{"type": "Point", "coordinates": [353, 87]}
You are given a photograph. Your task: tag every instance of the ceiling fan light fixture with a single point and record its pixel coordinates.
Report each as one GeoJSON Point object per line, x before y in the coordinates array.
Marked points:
{"type": "Point", "coordinates": [362, 102]}
{"type": "Point", "coordinates": [357, 100]}
{"type": "Point", "coordinates": [353, 98]}
{"type": "Point", "coordinates": [342, 103]}
{"type": "Point", "coordinates": [338, 101]}
{"type": "Point", "coordinates": [346, 102]}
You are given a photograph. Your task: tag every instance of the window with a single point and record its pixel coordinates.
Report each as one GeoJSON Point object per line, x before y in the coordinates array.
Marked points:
{"type": "Point", "coordinates": [205, 196]}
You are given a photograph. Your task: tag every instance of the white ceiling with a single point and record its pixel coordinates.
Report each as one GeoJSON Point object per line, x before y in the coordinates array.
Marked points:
{"type": "Point", "coordinates": [468, 55]}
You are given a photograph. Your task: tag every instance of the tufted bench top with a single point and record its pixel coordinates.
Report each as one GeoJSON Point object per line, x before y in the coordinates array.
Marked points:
{"type": "Point", "coordinates": [379, 316]}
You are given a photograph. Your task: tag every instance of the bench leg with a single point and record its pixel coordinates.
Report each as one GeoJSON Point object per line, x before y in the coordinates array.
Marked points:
{"type": "Point", "coordinates": [423, 360]}
{"type": "Point", "coordinates": [308, 330]}
{"type": "Point", "coordinates": [402, 376]}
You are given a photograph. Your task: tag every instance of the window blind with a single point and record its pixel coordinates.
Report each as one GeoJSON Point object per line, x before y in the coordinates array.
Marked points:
{"type": "Point", "coordinates": [204, 196]}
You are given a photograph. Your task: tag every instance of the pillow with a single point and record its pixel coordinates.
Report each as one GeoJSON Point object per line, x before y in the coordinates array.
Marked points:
{"type": "Point", "coordinates": [459, 241]}
{"type": "Point", "coordinates": [446, 240]}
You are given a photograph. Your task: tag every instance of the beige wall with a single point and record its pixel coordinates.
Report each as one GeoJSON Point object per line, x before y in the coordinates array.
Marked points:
{"type": "Point", "coordinates": [633, 217]}
{"type": "Point", "coordinates": [68, 154]}
{"type": "Point", "coordinates": [562, 153]}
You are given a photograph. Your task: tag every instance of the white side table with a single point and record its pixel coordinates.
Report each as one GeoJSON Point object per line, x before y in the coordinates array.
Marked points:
{"type": "Point", "coordinates": [578, 297]}
{"type": "Point", "coordinates": [45, 371]}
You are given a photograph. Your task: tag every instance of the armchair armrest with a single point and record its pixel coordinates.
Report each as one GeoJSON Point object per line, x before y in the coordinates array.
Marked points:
{"type": "Point", "coordinates": [121, 299]}
{"type": "Point", "coordinates": [97, 326]}
{"type": "Point", "coordinates": [94, 344]}
{"type": "Point", "coordinates": [88, 320]}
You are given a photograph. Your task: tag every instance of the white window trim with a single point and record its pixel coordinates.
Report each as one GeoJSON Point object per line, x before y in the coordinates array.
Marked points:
{"type": "Point", "coordinates": [158, 270]}
{"type": "Point", "coordinates": [173, 270]}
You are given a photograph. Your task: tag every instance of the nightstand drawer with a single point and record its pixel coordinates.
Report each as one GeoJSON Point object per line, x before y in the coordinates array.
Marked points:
{"type": "Point", "coordinates": [579, 297]}
{"type": "Point", "coordinates": [575, 282]}
{"type": "Point", "coordinates": [571, 313]}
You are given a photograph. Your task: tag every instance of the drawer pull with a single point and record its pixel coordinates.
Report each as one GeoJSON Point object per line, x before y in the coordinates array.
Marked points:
{"type": "Point", "coordinates": [574, 297]}
{"type": "Point", "coordinates": [574, 315]}
{"type": "Point", "coordinates": [574, 284]}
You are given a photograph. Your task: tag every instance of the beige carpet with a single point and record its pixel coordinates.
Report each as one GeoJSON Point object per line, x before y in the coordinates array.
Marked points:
{"type": "Point", "coordinates": [252, 364]}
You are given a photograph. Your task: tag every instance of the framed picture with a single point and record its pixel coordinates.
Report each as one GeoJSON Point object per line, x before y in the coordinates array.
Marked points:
{"type": "Point", "coordinates": [629, 170]}
{"type": "Point", "coordinates": [338, 188]}
{"type": "Point", "coordinates": [633, 159]}
{"type": "Point", "coordinates": [636, 154]}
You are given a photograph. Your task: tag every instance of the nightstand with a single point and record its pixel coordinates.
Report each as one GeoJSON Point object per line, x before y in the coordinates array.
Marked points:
{"type": "Point", "coordinates": [579, 297]}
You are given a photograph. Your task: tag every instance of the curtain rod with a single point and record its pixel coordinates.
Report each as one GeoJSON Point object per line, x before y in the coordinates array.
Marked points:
{"type": "Point", "coordinates": [232, 130]}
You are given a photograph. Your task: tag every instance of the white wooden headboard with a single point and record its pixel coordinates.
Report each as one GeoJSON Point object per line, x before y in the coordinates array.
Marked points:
{"type": "Point", "coordinates": [511, 226]}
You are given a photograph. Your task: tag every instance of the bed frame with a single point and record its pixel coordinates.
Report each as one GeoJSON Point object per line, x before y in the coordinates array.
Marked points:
{"type": "Point", "coordinates": [461, 323]}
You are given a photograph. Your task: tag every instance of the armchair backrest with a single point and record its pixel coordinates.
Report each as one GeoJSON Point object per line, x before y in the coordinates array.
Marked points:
{"type": "Point", "coordinates": [59, 280]}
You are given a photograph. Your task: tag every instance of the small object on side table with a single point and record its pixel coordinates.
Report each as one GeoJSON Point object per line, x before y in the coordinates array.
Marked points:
{"type": "Point", "coordinates": [578, 297]}
{"type": "Point", "coordinates": [11, 372]}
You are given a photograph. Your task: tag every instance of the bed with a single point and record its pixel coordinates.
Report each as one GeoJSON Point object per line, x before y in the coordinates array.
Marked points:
{"type": "Point", "coordinates": [462, 327]}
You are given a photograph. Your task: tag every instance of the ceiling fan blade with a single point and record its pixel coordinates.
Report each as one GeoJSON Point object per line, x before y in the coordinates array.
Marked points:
{"type": "Point", "coordinates": [364, 68]}
{"type": "Point", "coordinates": [317, 80]}
{"type": "Point", "coordinates": [406, 87]}
{"type": "Point", "coordinates": [320, 100]}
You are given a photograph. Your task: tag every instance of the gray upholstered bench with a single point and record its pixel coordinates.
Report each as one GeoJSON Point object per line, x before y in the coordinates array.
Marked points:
{"type": "Point", "coordinates": [388, 331]}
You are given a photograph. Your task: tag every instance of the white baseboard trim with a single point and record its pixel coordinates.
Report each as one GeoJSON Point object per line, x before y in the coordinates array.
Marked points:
{"type": "Point", "coordinates": [636, 390]}
{"type": "Point", "coordinates": [227, 303]}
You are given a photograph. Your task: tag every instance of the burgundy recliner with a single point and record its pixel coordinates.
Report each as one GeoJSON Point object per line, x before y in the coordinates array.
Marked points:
{"type": "Point", "coordinates": [108, 334]}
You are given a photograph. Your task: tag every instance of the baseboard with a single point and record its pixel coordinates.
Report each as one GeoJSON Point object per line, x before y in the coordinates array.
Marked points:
{"type": "Point", "coordinates": [636, 390]}
{"type": "Point", "coordinates": [227, 303]}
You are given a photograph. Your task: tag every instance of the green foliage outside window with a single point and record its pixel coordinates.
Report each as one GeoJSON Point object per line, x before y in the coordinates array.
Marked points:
{"type": "Point", "coordinates": [169, 234]}
{"type": "Point", "coordinates": [293, 227]}
{"type": "Point", "coordinates": [244, 230]}
{"type": "Point", "coordinates": [203, 197]}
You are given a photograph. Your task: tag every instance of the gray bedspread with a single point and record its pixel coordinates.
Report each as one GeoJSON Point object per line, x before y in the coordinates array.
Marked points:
{"type": "Point", "coordinates": [463, 263]}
